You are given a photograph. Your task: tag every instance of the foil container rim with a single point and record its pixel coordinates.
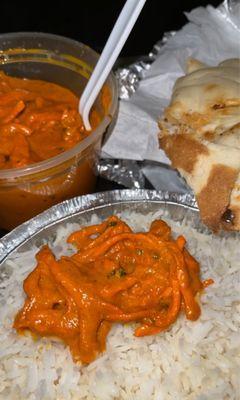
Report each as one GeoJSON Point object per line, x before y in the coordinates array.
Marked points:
{"type": "Point", "coordinates": [81, 204]}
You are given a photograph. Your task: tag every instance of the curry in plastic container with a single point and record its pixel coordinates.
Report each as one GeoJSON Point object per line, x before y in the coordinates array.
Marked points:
{"type": "Point", "coordinates": [46, 155]}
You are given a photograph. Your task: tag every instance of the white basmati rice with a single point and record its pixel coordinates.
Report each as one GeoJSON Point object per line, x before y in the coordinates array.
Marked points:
{"type": "Point", "coordinates": [191, 361]}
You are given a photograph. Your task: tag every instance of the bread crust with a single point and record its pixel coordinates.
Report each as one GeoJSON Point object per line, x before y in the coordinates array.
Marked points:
{"type": "Point", "coordinates": [183, 150]}
{"type": "Point", "coordinates": [214, 198]}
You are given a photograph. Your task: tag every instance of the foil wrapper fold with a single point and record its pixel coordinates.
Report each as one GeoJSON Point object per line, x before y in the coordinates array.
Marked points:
{"type": "Point", "coordinates": [124, 172]}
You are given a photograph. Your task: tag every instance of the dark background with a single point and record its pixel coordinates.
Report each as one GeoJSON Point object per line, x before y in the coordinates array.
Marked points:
{"type": "Point", "coordinates": [90, 21]}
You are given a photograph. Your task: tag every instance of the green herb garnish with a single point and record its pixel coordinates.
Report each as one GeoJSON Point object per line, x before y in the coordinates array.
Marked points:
{"type": "Point", "coordinates": [139, 252]}
{"type": "Point", "coordinates": [112, 223]}
{"type": "Point", "coordinates": [155, 256]}
{"type": "Point", "coordinates": [121, 272]}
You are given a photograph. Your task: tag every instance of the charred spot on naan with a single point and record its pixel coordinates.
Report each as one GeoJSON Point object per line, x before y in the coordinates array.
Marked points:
{"type": "Point", "coordinates": [231, 219]}
{"type": "Point", "coordinates": [228, 216]}
{"type": "Point", "coordinates": [214, 198]}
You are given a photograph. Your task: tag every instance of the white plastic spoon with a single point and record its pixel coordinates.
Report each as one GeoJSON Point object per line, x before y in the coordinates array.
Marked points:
{"type": "Point", "coordinates": [114, 45]}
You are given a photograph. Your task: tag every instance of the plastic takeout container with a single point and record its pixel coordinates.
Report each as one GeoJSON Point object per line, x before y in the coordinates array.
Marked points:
{"type": "Point", "coordinates": [25, 192]}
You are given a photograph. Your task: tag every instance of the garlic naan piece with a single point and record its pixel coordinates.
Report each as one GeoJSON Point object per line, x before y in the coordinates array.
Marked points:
{"type": "Point", "coordinates": [207, 99]}
{"type": "Point", "coordinates": [200, 133]}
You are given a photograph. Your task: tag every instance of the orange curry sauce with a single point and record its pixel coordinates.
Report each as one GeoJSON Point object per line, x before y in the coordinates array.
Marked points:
{"type": "Point", "coordinates": [38, 120]}
{"type": "Point", "coordinates": [115, 276]}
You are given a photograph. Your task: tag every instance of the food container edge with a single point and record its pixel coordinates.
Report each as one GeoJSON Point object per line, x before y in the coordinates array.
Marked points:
{"type": "Point", "coordinates": [79, 204]}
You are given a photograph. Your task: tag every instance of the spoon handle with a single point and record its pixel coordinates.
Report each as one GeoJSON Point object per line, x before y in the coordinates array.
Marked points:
{"type": "Point", "coordinates": [113, 47]}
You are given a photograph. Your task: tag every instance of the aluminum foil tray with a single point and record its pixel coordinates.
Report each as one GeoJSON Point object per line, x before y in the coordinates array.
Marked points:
{"type": "Point", "coordinates": [80, 209]}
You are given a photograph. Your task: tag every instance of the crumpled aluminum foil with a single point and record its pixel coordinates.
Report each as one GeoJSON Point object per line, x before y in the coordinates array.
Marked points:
{"type": "Point", "coordinates": [124, 172]}
{"type": "Point", "coordinates": [130, 173]}
{"type": "Point", "coordinates": [130, 76]}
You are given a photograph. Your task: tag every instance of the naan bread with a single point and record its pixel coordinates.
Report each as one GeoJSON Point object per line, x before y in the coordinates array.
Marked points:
{"type": "Point", "coordinates": [200, 133]}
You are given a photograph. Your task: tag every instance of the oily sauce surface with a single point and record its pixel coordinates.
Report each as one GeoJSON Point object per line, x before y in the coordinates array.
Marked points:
{"type": "Point", "coordinates": [38, 120]}
{"type": "Point", "coordinates": [116, 275]}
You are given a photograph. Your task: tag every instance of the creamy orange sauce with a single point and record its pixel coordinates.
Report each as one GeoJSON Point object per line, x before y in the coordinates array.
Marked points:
{"type": "Point", "coordinates": [115, 276]}
{"type": "Point", "coordinates": [38, 120]}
